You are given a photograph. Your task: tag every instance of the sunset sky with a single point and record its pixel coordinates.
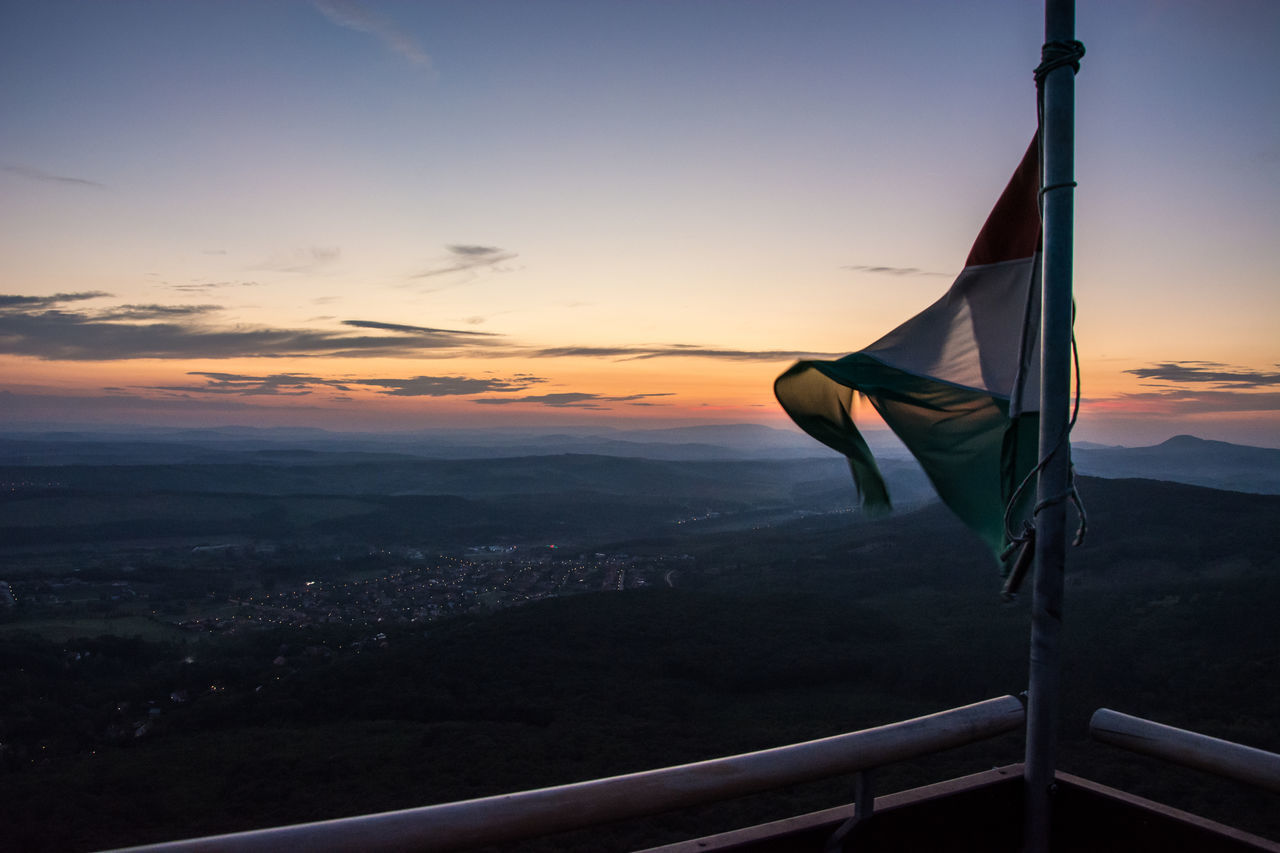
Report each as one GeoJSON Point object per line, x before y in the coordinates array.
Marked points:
{"type": "Point", "coordinates": [406, 215]}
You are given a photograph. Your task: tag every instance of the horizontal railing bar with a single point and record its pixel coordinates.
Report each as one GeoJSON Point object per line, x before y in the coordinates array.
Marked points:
{"type": "Point", "coordinates": [1232, 760]}
{"type": "Point", "coordinates": [527, 814]}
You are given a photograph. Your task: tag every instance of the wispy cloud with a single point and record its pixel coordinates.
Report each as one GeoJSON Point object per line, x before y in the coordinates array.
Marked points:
{"type": "Point", "coordinates": [467, 257]}
{"type": "Point", "coordinates": [1186, 401]}
{"type": "Point", "coordinates": [308, 260]}
{"type": "Point", "coordinates": [137, 408]}
{"type": "Point", "coordinates": [481, 319]}
{"type": "Point", "coordinates": [354, 16]}
{"type": "Point", "coordinates": [572, 400]}
{"type": "Point", "coordinates": [207, 286]}
{"type": "Point", "coordinates": [49, 177]}
{"type": "Point", "coordinates": [898, 271]}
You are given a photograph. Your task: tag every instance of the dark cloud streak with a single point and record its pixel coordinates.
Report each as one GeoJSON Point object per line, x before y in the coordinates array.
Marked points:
{"type": "Point", "coordinates": [56, 328]}
{"type": "Point", "coordinates": [677, 351]}
{"type": "Point", "coordinates": [473, 251]}
{"type": "Point", "coordinates": [152, 312]}
{"type": "Point", "coordinates": [446, 386]}
{"type": "Point", "coordinates": [1181, 388]}
{"type": "Point", "coordinates": [205, 287]}
{"type": "Point", "coordinates": [49, 177]}
{"type": "Point", "coordinates": [467, 257]}
{"type": "Point", "coordinates": [1225, 376]}
{"type": "Point", "coordinates": [400, 327]}
{"type": "Point", "coordinates": [572, 400]}
{"type": "Point", "coordinates": [295, 384]}
{"type": "Point", "coordinates": [896, 271]}
{"type": "Point", "coordinates": [36, 326]}
{"type": "Point", "coordinates": [13, 301]}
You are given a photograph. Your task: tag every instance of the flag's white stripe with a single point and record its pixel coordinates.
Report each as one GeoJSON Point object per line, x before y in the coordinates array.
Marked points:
{"type": "Point", "coordinates": [972, 336]}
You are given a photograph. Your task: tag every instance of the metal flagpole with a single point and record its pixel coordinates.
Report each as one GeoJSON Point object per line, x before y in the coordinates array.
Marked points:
{"type": "Point", "coordinates": [1057, 140]}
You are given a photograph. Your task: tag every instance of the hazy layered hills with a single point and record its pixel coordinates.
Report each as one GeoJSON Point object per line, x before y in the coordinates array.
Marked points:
{"type": "Point", "coordinates": [1183, 458]}
{"type": "Point", "coordinates": [441, 503]}
{"type": "Point", "coordinates": [231, 444]}
{"type": "Point", "coordinates": [82, 487]}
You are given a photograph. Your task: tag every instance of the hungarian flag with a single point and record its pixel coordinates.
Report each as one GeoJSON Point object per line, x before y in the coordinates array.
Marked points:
{"type": "Point", "coordinates": [958, 383]}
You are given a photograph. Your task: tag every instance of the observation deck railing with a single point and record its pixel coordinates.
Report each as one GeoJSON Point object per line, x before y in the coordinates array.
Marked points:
{"type": "Point", "coordinates": [545, 811]}
{"type": "Point", "coordinates": [1191, 749]}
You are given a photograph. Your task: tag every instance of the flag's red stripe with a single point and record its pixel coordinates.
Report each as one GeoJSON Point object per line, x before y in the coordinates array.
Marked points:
{"type": "Point", "coordinates": [1012, 231]}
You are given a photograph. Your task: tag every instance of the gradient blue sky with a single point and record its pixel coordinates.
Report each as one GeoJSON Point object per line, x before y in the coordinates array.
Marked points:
{"type": "Point", "coordinates": [401, 215]}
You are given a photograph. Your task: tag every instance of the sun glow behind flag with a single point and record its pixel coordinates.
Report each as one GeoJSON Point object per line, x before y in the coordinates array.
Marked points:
{"type": "Point", "coordinates": [957, 383]}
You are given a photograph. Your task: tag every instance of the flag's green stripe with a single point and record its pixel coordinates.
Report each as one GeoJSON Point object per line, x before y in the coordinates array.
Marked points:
{"type": "Point", "coordinates": [970, 450]}
{"type": "Point", "coordinates": [822, 408]}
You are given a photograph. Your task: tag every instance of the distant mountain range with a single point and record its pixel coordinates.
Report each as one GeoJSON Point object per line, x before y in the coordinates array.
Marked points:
{"type": "Point", "coordinates": [1181, 459]}
{"type": "Point", "coordinates": [126, 446]}
{"type": "Point", "coordinates": [1187, 459]}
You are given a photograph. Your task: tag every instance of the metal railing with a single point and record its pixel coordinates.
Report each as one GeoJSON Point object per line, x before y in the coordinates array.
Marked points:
{"type": "Point", "coordinates": [528, 814]}
{"type": "Point", "coordinates": [1232, 760]}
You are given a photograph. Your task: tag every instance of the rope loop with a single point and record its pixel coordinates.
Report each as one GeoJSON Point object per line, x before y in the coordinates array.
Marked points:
{"type": "Point", "coordinates": [1053, 187]}
{"type": "Point", "coordinates": [1056, 54]}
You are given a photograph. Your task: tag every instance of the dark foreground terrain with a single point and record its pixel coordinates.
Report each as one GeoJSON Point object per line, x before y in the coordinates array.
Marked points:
{"type": "Point", "coordinates": [152, 690]}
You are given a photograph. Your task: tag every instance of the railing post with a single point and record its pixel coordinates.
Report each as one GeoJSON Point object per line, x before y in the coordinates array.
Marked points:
{"type": "Point", "coordinates": [864, 804]}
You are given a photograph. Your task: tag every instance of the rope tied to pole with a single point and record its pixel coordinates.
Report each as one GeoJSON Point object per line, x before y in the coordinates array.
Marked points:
{"type": "Point", "coordinates": [1025, 538]}
{"type": "Point", "coordinates": [1056, 54]}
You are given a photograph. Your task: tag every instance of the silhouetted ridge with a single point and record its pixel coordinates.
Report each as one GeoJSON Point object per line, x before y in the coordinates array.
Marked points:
{"type": "Point", "coordinates": [1191, 442]}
